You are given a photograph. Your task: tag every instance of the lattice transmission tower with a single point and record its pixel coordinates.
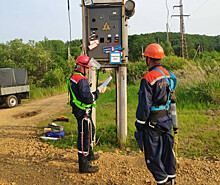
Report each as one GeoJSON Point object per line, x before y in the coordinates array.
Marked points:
{"type": "Point", "coordinates": [183, 48]}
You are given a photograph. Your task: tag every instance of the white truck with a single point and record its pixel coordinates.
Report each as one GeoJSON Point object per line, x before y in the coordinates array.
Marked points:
{"type": "Point", "coordinates": [14, 86]}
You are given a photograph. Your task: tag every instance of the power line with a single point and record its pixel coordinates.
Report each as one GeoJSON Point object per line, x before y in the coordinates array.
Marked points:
{"type": "Point", "coordinates": [199, 7]}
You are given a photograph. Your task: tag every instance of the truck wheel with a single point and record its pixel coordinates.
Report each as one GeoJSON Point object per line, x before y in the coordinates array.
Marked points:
{"type": "Point", "coordinates": [11, 101]}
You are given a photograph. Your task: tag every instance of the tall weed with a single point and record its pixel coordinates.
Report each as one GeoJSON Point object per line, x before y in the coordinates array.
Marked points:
{"type": "Point", "coordinates": [40, 92]}
{"type": "Point", "coordinates": [199, 96]}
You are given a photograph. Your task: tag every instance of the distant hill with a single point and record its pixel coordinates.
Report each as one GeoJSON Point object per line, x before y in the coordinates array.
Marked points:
{"type": "Point", "coordinates": [137, 42]}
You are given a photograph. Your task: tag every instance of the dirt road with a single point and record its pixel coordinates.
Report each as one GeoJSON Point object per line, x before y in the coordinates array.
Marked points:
{"type": "Point", "coordinates": [24, 159]}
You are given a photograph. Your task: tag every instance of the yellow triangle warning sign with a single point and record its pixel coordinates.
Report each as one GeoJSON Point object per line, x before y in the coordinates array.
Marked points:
{"type": "Point", "coordinates": [106, 27]}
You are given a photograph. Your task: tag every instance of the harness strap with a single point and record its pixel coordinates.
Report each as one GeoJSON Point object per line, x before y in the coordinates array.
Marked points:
{"type": "Point", "coordinates": [155, 115]}
{"type": "Point", "coordinates": [89, 135]}
{"type": "Point", "coordinates": [167, 106]}
{"type": "Point", "coordinates": [168, 82]}
{"type": "Point", "coordinates": [78, 103]}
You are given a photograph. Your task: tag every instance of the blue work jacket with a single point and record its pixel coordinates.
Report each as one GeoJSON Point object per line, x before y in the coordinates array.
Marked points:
{"type": "Point", "coordinates": [80, 87]}
{"type": "Point", "coordinates": [153, 89]}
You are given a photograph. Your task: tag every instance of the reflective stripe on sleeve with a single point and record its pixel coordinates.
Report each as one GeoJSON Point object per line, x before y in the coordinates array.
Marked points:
{"type": "Point", "coordinates": [159, 78]}
{"type": "Point", "coordinates": [73, 81]}
{"type": "Point", "coordinates": [93, 97]}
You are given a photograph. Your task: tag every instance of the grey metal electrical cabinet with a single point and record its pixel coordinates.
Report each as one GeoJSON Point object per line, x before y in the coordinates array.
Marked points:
{"type": "Point", "coordinates": [105, 29]}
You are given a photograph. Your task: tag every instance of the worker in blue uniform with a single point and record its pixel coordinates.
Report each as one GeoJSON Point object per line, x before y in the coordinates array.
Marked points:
{"type": "Point", "coordinates": [154, 118]}
{"type": "Point", "coordinates": [81, 100]}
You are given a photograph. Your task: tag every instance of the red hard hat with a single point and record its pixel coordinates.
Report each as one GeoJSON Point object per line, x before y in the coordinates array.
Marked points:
{"type": "Point", "coordinates": [154, 51]}
{"type": "Point", "coordinates": [83, 60]}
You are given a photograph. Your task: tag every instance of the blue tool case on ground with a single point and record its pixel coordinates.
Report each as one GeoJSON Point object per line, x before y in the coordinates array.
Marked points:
{"type": "Point", "coordinates": [55, 134]}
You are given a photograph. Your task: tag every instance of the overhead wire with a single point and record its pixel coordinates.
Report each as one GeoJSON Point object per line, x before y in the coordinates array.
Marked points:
{"type": "Point", "coordinates": [199, 7]}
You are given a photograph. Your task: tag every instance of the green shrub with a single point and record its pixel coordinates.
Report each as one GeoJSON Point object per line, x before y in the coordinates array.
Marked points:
{"type": "Point", "coordinates": [40, 92]}
{"type": "Point", "coordinates": [136, 71]}
{"type": "Point", "coordinates": [53, 78]}
{"type": "Point", "coordinates": [206, 58]}
{"type": "Point", "coordinates": [173, 62]}
{"type": "Point", "coordinates": [201, 95]}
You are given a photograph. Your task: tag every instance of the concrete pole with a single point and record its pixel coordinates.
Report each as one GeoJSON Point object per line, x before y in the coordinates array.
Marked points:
{"type": "Point", "coordinates": [123, 83]}
{"type": "Point", "coordinates": [92, 73]}
{"type": "Point", "coordinates": [123, 104]}
{"type": "Point", "coordinates": [92, 79]}
{"type": "Point", "coordinates": [117, 97]}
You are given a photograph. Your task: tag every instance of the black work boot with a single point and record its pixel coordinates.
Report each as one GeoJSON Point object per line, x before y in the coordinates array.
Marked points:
{"type": "Point", "coordinates": [91, 169]}
{"type": "Point", "coordinates": [93, 158]}
{"type": "Point", "coordinates": [172, 181]}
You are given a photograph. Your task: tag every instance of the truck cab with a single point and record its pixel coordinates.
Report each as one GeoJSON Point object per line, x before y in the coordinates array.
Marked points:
{"type": "Point", "coordinates": [14, 86]}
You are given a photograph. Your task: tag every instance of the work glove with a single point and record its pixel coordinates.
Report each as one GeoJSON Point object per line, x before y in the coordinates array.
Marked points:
{"type": "Point", "coordinates": [140, 127]}
{"type": "Point", "coordinates": [102, 89]}
{"type": "Point", "coordinates": [96, 94]}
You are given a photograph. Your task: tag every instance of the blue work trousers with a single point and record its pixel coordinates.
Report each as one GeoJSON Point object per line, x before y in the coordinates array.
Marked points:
{"type": "Point", "coordinates": [159, 155]}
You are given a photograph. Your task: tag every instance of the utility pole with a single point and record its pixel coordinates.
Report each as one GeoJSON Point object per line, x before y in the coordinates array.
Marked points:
{"type": "Point", "coordinates": [183, 51]}
{"type": "Point", "coordinates": [167, 27]}
{"type": "Point", "coordinates": [123, 82]}
{"type": "Point", "coordinates": [105, 38]}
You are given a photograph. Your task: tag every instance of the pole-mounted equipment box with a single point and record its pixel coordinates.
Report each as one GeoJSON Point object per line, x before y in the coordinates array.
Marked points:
{"type": "Point", "coordinates": [104, 27]}
{"type": "Point", "coordinates": [91, 2]}
{"type": "Point", "coordinates": [104, 32]}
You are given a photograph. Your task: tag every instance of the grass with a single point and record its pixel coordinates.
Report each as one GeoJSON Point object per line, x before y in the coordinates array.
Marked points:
{"type": "Point", "coordinates": [198, 129]}
{"type": "Point", "coordinates": [199, 96]}
{"type": "Point", "coordinates": [198, 119]}
{"type": "Point", "coordinates": [40, 92]}
{"type": "Point", "coordinates": [198, 133]}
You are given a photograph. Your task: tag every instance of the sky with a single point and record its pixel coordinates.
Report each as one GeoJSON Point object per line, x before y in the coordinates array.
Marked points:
{"type": "Point", "coordinates": [36, 19]}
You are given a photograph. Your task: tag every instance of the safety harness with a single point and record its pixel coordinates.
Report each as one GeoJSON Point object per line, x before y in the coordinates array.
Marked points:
{"type": "Point", "coordinates": [86, 108]}
{"type": "Point", "coordinates": [78, 103]}
{"type": "Point", "coordinates": [90, 141]}
{"type": "Point", "coordinates": [172, 85]}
